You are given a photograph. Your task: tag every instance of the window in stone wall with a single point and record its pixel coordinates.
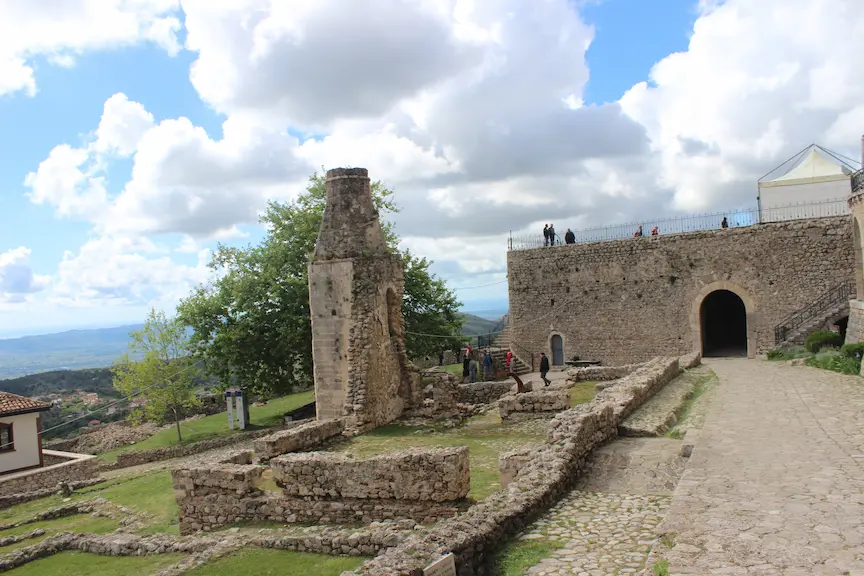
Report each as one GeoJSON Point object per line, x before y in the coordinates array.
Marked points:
{"type": "Point", "coordinates": [6, 439]}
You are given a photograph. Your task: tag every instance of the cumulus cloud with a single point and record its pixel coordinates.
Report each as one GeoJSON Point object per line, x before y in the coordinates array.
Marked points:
{"type": "Point", "coordinates": [62, 30]}
{"type": "Point", "coordinates": [473, 112]}
{"type": "Point", "coordinates": [17, 280]}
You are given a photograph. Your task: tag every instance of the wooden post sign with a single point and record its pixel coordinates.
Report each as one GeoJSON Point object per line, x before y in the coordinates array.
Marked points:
{"type": "Point", "coordinates": [445, 566]}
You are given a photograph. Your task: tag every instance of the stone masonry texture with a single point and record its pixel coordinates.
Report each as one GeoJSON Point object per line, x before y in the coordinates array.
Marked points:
{"type": "Point", "coordinates": [356, 285]}
{"type": "Point", "coordinates": [437, 475]}
{"type": "Point", "coordinates": [300, 438]}
{"type": "Point", "coordinates": [855, 328]}
{"type": "Point", "coordinates": [82, 468]}
{"type": "Point", "coordinates": [534, 484]}
{"type": "Point", "coordinates": [633, 299]}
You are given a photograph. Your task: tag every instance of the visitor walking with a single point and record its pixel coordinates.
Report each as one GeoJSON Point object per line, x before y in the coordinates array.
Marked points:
{"type": "Point", "coordinates": [544, 368]}
{"type": "Point", "coordinates": [551, 235]}
{"type": "Point", "coordinates": [545, 234]}
{"type": "Point", "coordinates": [638, 232]}
{"type": "Point", "coordinates": [725, 223]}
{"type": "Point", "coordinates": [507, 360]}
{"type": "Point", "coordinates": [465, 368]}
{"type": "Point", "coordinates": [441, 358]}
{"type": "Point", "coordinates": [655, 231]}
{"type": "Point", "coordinates": [569, 237]}
{"type": "Point", "coordinates": [472, 370]}
{"type": "Point", "coordinates": [487, 365]}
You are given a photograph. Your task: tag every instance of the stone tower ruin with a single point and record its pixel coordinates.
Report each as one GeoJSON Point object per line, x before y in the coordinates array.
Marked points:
{"type": "Point", "coordinates": [355, 299]}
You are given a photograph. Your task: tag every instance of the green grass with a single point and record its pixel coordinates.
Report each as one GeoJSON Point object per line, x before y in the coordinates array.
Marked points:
{"type": "Point", "coordinates": [83, 564]}
{"type": "Point", "coordinates": [660, 568]}
{"type": "Point", "coordinates": [217, 425]}
{"type": "Point", "coordinates": [516, 558]}
{"type": "Point", "coordinates": [700, 385]}
{"type": "Point", "coordinates": [485, 436]}
{"type": "Point", "coordinates": [582, 393]}
{"type": "Point", "coordinates": [453, 369]}
{"type": "Point", "coordinates": [79, 523]}
{"type": "Point", "coordinates": [150, 493]}
{"type": "Point", "coordinates": [261, 562]}
{"type": "Point", "coordinates": [831, 359]}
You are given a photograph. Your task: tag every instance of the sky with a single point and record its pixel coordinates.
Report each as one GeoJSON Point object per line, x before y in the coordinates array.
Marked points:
{"type": "Point", "coordinates": [135, 135]}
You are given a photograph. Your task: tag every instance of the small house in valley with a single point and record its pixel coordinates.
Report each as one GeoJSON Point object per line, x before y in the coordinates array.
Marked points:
{"type": "Point", "coordinates": [20, 432]}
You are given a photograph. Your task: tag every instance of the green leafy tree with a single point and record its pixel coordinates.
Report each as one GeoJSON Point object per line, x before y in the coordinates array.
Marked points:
{"type": "Point", "coordinates": [251, 322]}
{"type": "Point", "coordinates": [165, 375]}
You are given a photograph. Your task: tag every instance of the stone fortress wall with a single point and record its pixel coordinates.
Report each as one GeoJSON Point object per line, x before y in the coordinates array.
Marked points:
{"type": "Point", "coordinates": [629, 300]}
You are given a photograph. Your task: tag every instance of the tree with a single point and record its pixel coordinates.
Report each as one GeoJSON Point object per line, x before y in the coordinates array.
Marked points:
{"type": "Point", "coordinates": [251, 321]}
{"type": "Point", "coordinates": [166, 373]}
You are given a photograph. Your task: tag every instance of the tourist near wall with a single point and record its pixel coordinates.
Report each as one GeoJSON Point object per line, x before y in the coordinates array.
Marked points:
{"type": "Point", "coordinates": [535, 484]}
{"type": "Point", "coordinates": [632, 299]}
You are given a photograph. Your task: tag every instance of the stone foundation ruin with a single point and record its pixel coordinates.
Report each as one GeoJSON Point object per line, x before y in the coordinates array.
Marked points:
{"type": "Point", "coordinates": [355, 298]}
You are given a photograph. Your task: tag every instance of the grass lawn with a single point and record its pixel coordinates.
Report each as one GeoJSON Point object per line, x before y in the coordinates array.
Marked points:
{"type": "Point", "coordinates": [83, 564]}
{"type": "Point", "coordinates": [217, 425]}
{"type": "Point", "coordinates": [261, 562]}
{"type": "Point", "coordinates": [485, 436]}
{"type": "Point", "coordinates": [453, 369]}
{"type": "Point", "coordinates": [520, 555]}
{"type": "Point", "coordinates": [582, 393]}
{"type": "Point", "coordinates": [78, 523]}
{"type": "Point", "coordinates": [151, 493]}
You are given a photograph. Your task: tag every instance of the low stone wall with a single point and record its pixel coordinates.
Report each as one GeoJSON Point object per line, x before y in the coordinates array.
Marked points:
{"type": "Point", "coordinates": [436, 475]}
{"type": "Point", "coordinates": [66, 467]}
{"type": "Point", "coordinates": [9, 500]}
{"type": "Point", "coordinates": [135, 458]}
{"type": "Point", "coordinates": [226, 492]}
{"type": "Point", "coordinates": [302, 437]}
{"type": "Point", "coordinates": [483, 392]}
{"type": "Point", "coordinates": [536, 484]}
{"type": "Point", "coordinates": [600, 373]}
{"type": "Point", "coordinates": [537, 403]}
{"type": "Point", "coordinates": [689, 361]}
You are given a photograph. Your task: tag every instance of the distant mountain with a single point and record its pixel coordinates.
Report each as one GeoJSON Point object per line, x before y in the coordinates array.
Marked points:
{"type": "Point", "coordinates": [475, 325]}
{"type": "Point", "coordinates": [68, 350]}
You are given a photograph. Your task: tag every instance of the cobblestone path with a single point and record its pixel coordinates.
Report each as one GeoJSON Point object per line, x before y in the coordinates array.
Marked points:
{"type": "Point", "coordinates": [606, 526]}
{"type": "Point", "coordinates": [775, 485]}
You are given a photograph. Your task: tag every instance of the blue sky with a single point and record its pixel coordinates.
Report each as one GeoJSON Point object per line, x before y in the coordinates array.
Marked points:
{"type": "Point", "coordinates": [622, 143]}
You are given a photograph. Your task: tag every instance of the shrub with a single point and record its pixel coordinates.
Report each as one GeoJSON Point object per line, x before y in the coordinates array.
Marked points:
{"type": "Point", "coordinates": [776, 354]}
{"type": "Point", "coordinates": [822, 339]}
{"type": "Point", "coordinates": [852, 350]}
{"type": "Point", "coordinates": [832, 360]}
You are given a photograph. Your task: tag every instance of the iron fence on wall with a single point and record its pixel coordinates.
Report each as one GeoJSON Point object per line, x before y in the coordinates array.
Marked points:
{"type": "Point", "coordinates": [692, 223]}
{"type": "Point", "coordinates": [858, 181]}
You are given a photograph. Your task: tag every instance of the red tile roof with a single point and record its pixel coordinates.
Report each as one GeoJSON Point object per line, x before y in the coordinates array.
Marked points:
{"type": "Point", "coordinates": [11, 404]}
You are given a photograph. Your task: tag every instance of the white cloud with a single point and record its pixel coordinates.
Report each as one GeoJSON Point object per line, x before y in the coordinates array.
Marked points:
{"type": "Point", "coordinates": [477, 120]}
{"type": "Point", "coordinates": [61, 30]}
{"type": "Point", "coordinates": [17, 280]}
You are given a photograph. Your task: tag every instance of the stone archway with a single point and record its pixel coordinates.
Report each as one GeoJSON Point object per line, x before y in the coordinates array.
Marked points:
{"type": "Point", "coordinates": [728, 296]}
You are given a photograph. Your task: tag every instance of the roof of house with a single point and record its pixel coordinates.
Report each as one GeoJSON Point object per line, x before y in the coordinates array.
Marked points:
{"type": "Point", "coordinates": [12, 405]}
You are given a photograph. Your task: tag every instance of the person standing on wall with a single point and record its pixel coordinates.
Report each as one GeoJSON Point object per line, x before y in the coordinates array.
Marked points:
{"type": "Point", "coordinates": [544, 368]}
{"type": "Point", "coordinates": [545, 234]}
{"type": "Point", "coordinates": [569, 237]}
{"type": "Point", "coordinates": [725, 223]}
{"type": "Point", "coordinates": [551, 235]}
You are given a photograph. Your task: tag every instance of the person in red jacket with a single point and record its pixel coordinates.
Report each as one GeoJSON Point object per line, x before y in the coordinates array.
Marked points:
{"type": "Point", "coordinates": [507, 359]}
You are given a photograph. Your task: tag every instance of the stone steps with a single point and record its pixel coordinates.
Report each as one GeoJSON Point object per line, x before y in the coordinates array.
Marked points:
{"type": "Point", "coordinates": [659, 414]}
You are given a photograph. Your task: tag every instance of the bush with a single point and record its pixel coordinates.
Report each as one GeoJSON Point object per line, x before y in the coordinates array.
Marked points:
{"type": "Point", "coordinates": [852, 350]}
{"type": "Point", "coordinates": [776, 354]}
{"type": "Point", "coordinates": [822, 339]}
{"type": "Point", "coordinates": [832, 360]}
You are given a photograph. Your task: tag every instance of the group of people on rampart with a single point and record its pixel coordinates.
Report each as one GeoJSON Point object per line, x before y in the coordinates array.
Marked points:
{"type": "Point", "coordinates": [550, 237]}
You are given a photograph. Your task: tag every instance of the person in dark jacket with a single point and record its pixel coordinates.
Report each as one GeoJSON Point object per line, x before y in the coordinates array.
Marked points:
{"type": "Point", "coordinates": [569, 237]}
{"type": "Point", "coordinates": [440, 358]}
{"type": "Point", "coordinates": [465, 363]}
{"type": "Point", "coordinates": [551, 235]}
{"type": "Point", "coordinates": [545, 234]}
{"type": "Point", "coordinates": [544, 368]}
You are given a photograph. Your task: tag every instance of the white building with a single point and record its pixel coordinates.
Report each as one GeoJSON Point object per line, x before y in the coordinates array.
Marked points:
{"type": "Point", "coordinates": [20, 432]}
{"type": "Point", "coordinates": [816, 177]}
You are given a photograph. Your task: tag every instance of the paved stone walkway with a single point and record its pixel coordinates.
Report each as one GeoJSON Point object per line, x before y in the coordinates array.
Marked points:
{"type": "Point", "coordinates": [775, 485]}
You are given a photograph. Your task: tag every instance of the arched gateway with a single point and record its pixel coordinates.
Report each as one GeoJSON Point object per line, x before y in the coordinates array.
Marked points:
{"type": "Point", "coordinates": [720, 321]}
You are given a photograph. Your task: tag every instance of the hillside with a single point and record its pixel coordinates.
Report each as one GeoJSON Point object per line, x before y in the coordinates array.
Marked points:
{"type": "Point", "coordinates": [475, 325]}
{"type": "Point", "coordinates": [68, 350]}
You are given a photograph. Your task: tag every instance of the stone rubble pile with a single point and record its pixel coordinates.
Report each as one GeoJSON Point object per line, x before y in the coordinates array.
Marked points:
{"type": "Point", "coordinates": [537, 403]}
{"type": "Point", "coordinates": [536, 483]}
{"type": "Point", "coordinates": [437, 475]}
{"type": "Point", "coordinates": [105, 438]}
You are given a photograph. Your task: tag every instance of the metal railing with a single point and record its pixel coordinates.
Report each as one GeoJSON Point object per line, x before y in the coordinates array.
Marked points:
{"type": "Point", "coordinates": [837, 295]}
{"type": "Point", "coordinates": [858, 181]}
{"type": "Point", "coordinates": [691, 223]}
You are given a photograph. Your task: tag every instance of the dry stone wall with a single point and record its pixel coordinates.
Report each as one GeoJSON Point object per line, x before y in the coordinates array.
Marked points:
{"type": "Point", "coordinates": [600, 373]}
{"type": "Point", "coordinates": [537, 403]}
{"type": "Point", "coordinates": [69, 468]}
{"type": "Point", "coordinates": [302, 437]}
{"type": "Point", "coordinates": [137, 457]}
{"type": "Point", "coordinates": [483, 392]}
{"type": "Point", "coordinates": [335, 490]}
{"type": "Point", "coordinates": [436, 475]}
{"type": "Point", "coordinates": [633, 299]}
{"type": "Point", "coordinates": [535, 485]}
